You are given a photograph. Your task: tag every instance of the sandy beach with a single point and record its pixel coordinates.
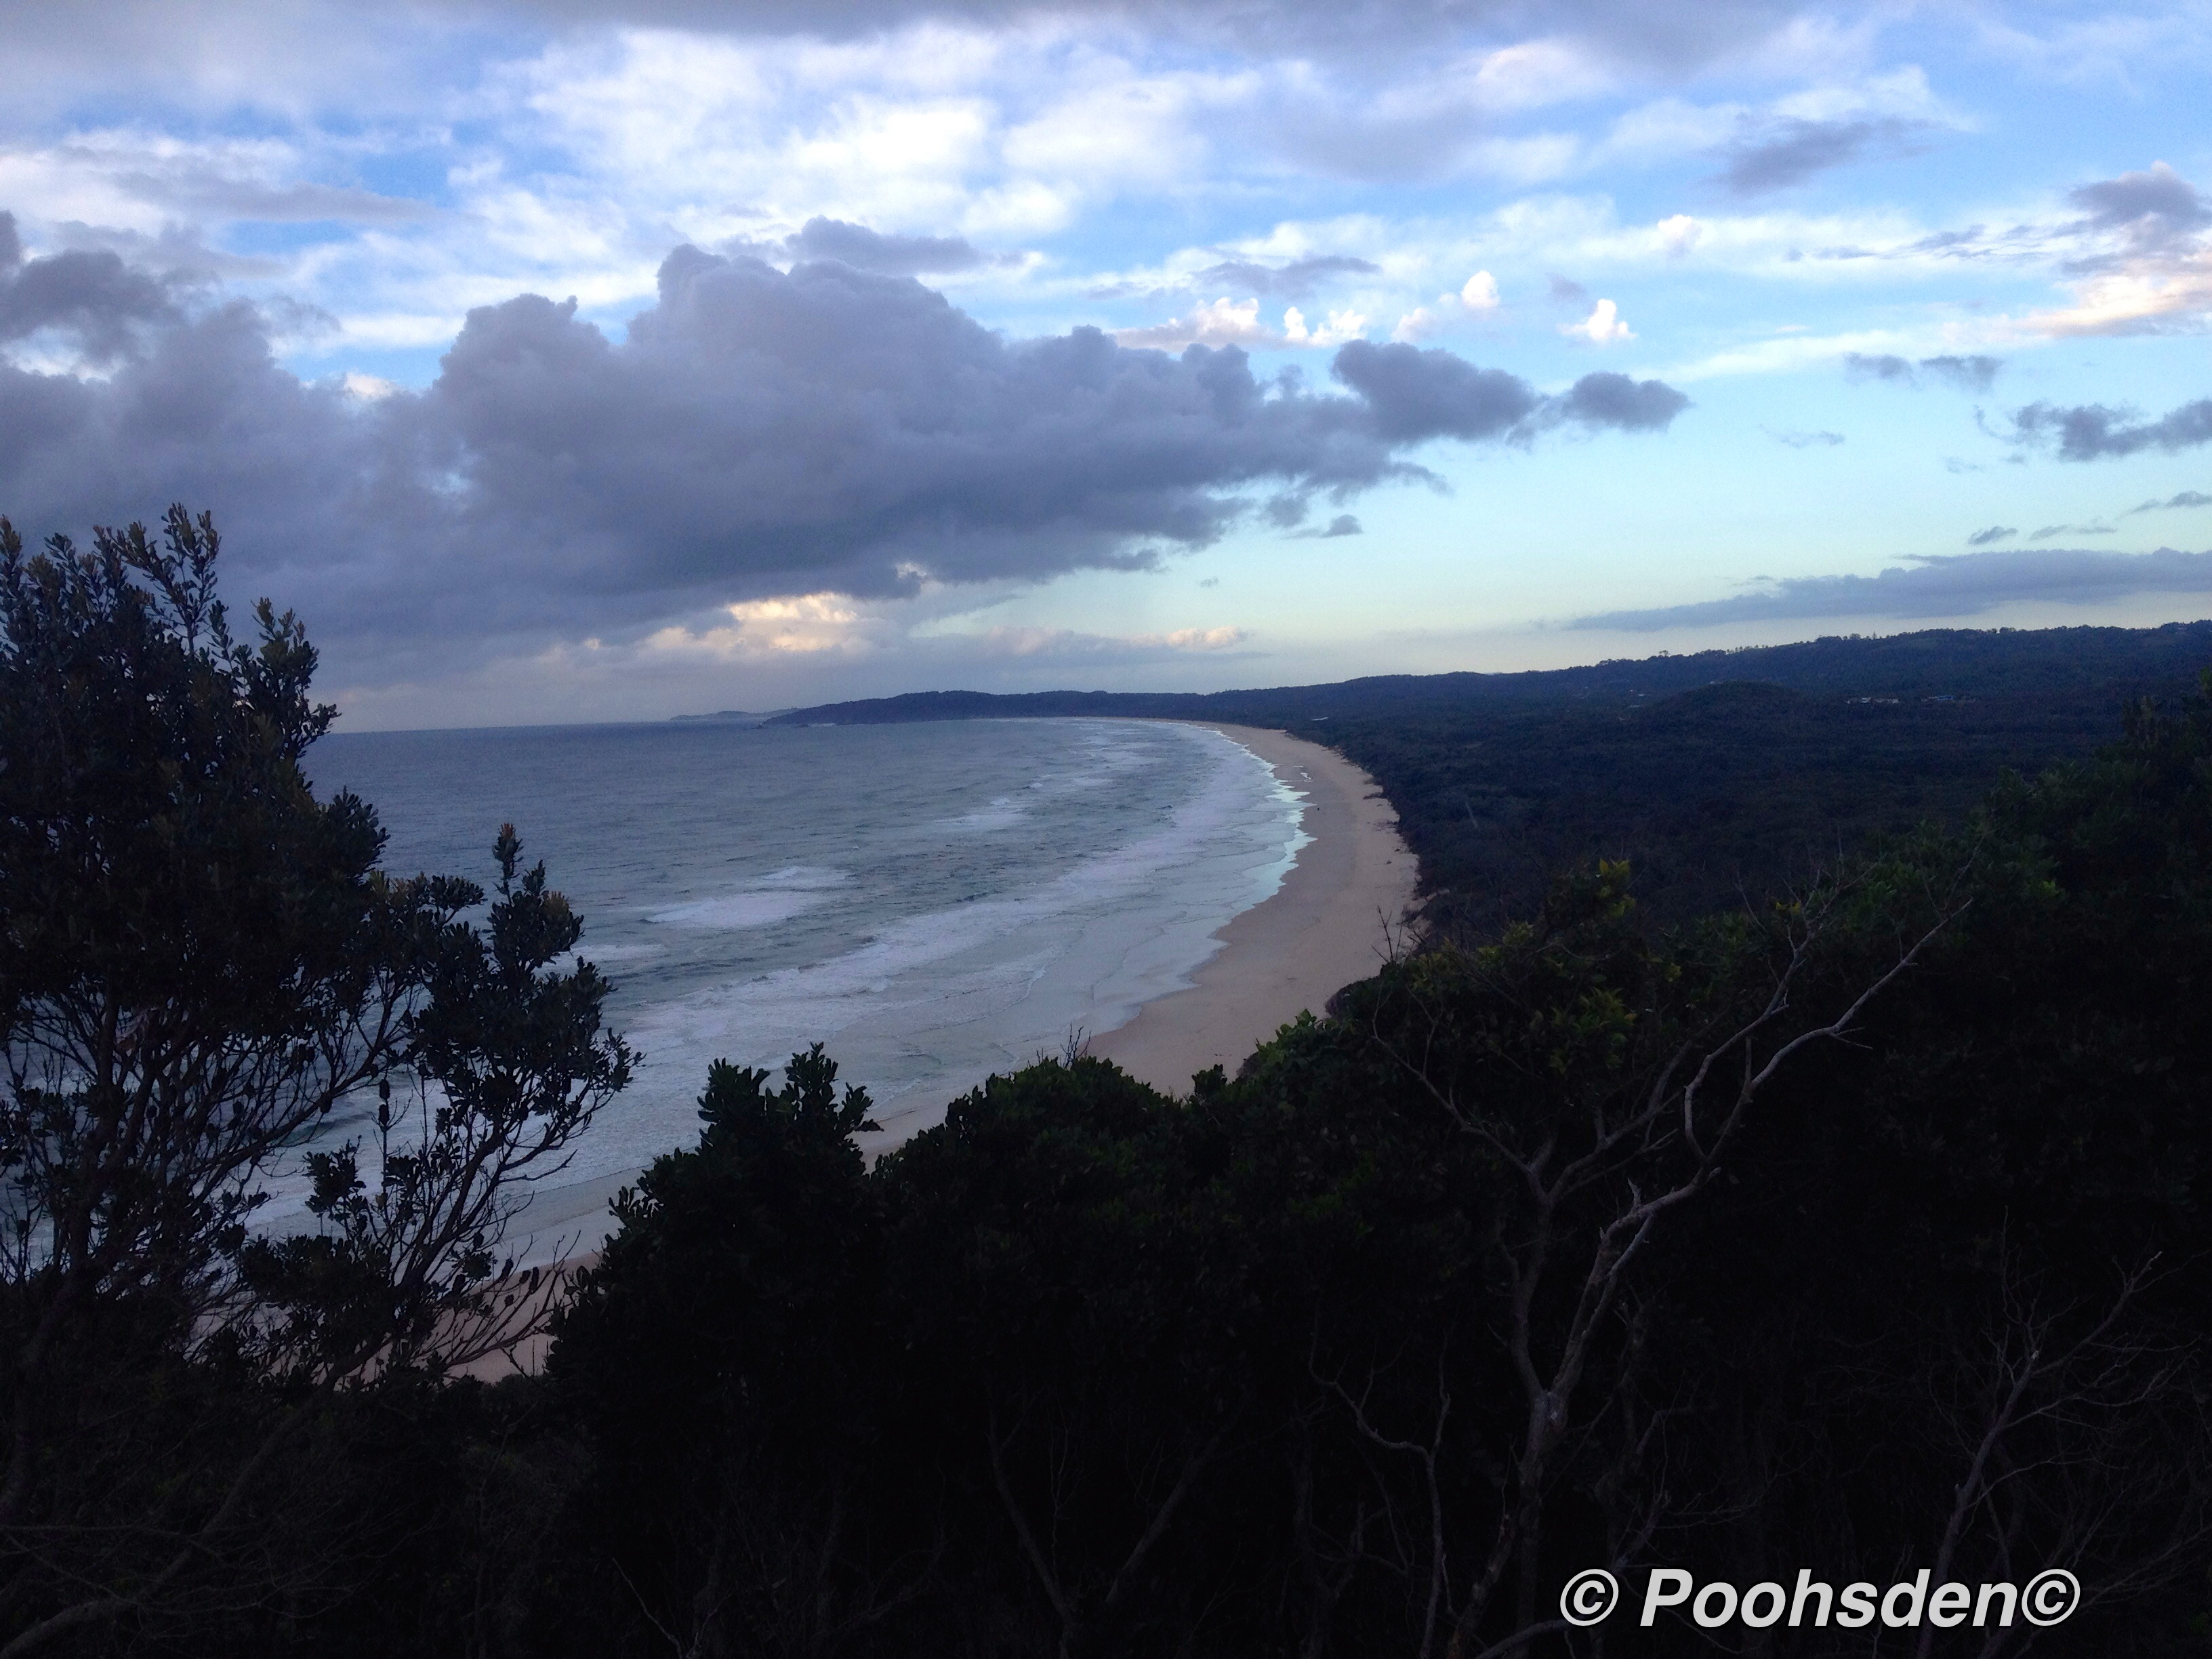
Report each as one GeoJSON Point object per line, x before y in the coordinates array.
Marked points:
{"type": "Point", "coordinates": [1325, 927]}
{"type": "Point", "coordinates": [1328, 925]}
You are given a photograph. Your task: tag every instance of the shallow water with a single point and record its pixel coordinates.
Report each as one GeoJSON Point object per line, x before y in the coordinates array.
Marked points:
{"type": "Point", "coordinates": [934, 901]}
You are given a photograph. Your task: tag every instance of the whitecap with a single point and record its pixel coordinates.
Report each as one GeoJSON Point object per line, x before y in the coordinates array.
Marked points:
{"type": "Point", "coordinates": [1000, 814]}
{"type": "Point", "coordinates": [805, 878]}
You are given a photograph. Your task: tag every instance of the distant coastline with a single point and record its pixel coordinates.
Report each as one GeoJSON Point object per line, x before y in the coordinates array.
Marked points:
{"type": "Point", "coordinates": [1929, 663]}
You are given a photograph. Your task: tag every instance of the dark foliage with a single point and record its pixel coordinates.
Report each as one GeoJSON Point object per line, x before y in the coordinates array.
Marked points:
{"type": "Point", "coordinates": [1859, 1230]}
{"type": "Point", "coordinates": [1092, 1370]}
{"type": "Point", "coordinates": [1716, 796]}
{"type": "Point", "coordinates": [203, 968]}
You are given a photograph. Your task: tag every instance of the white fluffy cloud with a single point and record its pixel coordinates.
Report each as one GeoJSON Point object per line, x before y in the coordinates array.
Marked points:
{"type": "Point", "coordinates": [1341, 325]}
{"type": "Point", "coordinates": [1215, 323]}
{"type": "Point", "coordinates": [1226, 322]}
{"type": "Point", "coordinates": [1603, 326]}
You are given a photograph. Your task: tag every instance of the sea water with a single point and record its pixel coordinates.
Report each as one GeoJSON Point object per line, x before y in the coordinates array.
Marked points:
{"type": "Point", "coordinates": [932, 902]}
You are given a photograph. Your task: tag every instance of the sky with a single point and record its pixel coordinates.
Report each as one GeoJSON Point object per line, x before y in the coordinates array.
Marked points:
{"type": "Point", "coordinates": [575, 360]}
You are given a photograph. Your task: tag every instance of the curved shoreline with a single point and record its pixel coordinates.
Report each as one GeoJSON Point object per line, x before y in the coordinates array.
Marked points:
{"type": "Point", "coordinates": [1325, 927]}
{"type": "Point", "coordinates": [1328, 925]}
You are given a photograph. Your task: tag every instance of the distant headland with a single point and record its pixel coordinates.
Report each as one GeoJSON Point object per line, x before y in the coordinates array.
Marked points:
{"type": "Point", "coordinates": [1943, 662]}
{"type": "Point", "coordinates": [734, 717]}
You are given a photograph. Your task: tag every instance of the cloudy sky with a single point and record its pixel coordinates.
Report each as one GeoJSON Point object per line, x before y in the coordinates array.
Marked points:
{"type": "Point", "coordinates": [597, 359]}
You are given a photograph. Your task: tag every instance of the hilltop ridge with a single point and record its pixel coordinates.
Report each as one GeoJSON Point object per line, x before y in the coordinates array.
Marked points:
{"type": "Point", "coordinates": [1934, 662]}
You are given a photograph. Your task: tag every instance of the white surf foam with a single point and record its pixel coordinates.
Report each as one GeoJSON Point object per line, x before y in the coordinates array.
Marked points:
{"type": "Point", "coordinates": [930, 1004]}
{"type": "Point", "coordinates": [777, 897]}
{"type": "Point", "coordinates": [938, 905]}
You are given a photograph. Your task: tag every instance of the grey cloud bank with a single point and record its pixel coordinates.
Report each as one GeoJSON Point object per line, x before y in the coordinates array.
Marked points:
{"type": "Point", "coordinates": [1415, 394]}
{"type": "Point", "coordinates": [97, 302]}
{"type": "Point", "coordinates": [2093, 432]}
{"type": "Point", "coordinates": [1958, 585]}
{"type": "Point", "coordinates": [756, 433]}
{"type": "Point", "coordinates": [2158, 209]}
{"type": "Point", "coordinates": [863, 249]}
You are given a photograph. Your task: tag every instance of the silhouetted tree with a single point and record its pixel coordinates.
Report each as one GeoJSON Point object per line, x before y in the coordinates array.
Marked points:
{"type": "Point", "coordinates": [202, 965]}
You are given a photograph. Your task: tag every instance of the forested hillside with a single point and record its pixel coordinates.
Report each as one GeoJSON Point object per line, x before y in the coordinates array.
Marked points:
{"type": "Point", "coordinates": [1716, 775]}
{"type": "Point", "coordinates": [1856, 1236]}
{"type": "Point", "coordinates": [2067, 662]}
{"type": "Point", "coordinates": [1848, 1241]}
{"type": "Point", "coordinates": [1714, 795]}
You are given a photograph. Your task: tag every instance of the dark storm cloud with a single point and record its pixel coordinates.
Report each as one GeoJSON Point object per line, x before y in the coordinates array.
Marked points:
{"type": "Point", "coordinates": [756, 433]}
{"type": "Point", "coordinates": [1959, 585]}
{"type": "Point", "coordinates": [1994, 534]}
{"type": "Point", "coordinates": [890, 256]}
{"type": "Point", "coordinates": [1975, 374]}
{"type": "Point", "coordinates": [1344, 524]}
{"type": "Point", "coordinates": [1777, 154]}
{"type": "Point", "coordinates": [2093, 431]}
{"type": "Point", "coordinates": [93, 298]}
{"type": "Point", "coordinates": [1294, 281]}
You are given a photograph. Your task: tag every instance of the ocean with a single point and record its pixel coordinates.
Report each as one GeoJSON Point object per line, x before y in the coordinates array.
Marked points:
{"type": "Point", "coordinates": [933, 903]}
